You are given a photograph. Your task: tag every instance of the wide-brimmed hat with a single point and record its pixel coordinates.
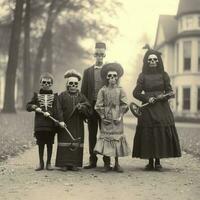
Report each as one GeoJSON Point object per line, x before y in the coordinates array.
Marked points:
{"type": "Point", "coordinates": [111, 67]}
{"type": "Point", "coordinates": [72, 73]}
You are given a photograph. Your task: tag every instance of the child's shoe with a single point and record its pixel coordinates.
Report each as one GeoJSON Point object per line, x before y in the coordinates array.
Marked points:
{"type": "Point", "coordinates": [49, 167]}
{"type": "Point", "coordinates": [118, 168]}
{"type": "Point", "coordinates": [73, 168]}
{"type": "Point", "coordinates": [158, 167]}
{"type": "Point", "coordinates": [41, 167]}
{"type": "Point", "coordinates": [149, 167]}
{"type": "Point", "coordinates": [107, 168]}
{"type": "Point", "coordinates": [64, 169]}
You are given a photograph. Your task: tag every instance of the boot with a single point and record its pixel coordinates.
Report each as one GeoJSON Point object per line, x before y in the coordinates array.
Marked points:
{"type": "Point", "coordinates": [150, 165]}
{"type": "Point", "coordinates": [158, 166]}
{"type": "Point", "coordinates": [73, 168]}
{"type": "Point", "coordinates": [90, 166]}
{"type": "Point", "coordinates": [117, 167]}
{"type": "Point", "coordinates": [64, 169]}
{"type": "Point", "coordinates": [41, 167]}
{"type": "Point", "coordinates": [49, 167]}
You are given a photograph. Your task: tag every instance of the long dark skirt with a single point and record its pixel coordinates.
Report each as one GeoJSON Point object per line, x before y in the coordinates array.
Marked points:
{"type": "Point", "coordinates": [156, 142]}
{"type": "Point", "coordinates": [65, 156]}
{"type": "Point", "coordinates": [68, 155]}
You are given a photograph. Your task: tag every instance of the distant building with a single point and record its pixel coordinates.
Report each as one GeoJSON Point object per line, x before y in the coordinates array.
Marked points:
{"type": "Point", "coordinates": [178, 38]}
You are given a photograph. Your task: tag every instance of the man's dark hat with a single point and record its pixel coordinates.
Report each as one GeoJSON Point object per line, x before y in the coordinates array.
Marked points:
{"type": "Point", "coordinates": [111, 67]}
{"type": "Point", "coordinates": [100, 45]}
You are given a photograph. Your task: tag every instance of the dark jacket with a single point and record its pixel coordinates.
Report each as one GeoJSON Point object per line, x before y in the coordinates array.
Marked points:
{"type": "Point", "coordinates": [68, 105]}
{"type": "Point", "coordinates": [159, 113]}
{"type": "Point", "coordinates": [87, 87]}
{"type": "Point", "coordinates": [43, 123]}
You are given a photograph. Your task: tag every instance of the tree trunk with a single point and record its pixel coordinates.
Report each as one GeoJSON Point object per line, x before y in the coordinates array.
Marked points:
{"type": "Point", "coordinates": [49, 54]}
{"type": "Point", "coordinates": [43, 44]}
{"type": "Point", "coordinates": [26, 56]}
{"type": "Point", "coordinates": [9, 98]}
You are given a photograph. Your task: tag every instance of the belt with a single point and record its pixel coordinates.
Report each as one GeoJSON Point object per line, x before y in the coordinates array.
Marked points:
{"type": "Point", "coordinates": [67, 144]}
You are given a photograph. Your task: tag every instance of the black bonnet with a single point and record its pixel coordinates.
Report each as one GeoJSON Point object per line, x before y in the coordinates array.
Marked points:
{"type": "Point", "coordinates": [146, 68]}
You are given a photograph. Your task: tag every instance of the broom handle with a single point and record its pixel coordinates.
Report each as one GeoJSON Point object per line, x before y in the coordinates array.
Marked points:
{"type": "Point", "coordinates": [165, 95]}
{"type": "Point", "coordinates": [56, 121]}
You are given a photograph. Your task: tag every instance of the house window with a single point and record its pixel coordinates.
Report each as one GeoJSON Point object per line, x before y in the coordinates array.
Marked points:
{"type": "Point", "coordinates": [177, 57]}
{"type": "Point", "coordinates": [189, 22]}
{"type": "Point", "coordinates": [198, 100]}
{"type": "Point", "coordinates": [186, 98]}
{"type": "Point", "coordinates": [199, 21]}
{"type": "Point", "coordinates": [181, 24]}
{"type": "Point", "coordinates": [199, 56]}
{"type": "Point", "coordinates": [187, 47]}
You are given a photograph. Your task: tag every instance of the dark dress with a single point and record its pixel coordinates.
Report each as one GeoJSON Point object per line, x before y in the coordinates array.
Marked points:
{"type": "Point", "coordinates": [45, 128]}
{"type": "Point", "coordinates": [74, 120]}
{"type": "Point", "coordinates": [156, 135]}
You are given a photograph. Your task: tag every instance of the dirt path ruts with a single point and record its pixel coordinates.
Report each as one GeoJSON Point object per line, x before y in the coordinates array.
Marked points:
{"type": "Point", "coordinates": [179, 181]}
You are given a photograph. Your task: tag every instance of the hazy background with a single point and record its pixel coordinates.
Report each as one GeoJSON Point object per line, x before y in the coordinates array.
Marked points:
{"type": "Point", "coordinates": [58, 42]}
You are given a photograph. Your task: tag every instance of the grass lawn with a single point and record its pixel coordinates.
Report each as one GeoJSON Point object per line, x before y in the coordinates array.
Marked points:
{"type": "Point", "coordinates": [16, 133]}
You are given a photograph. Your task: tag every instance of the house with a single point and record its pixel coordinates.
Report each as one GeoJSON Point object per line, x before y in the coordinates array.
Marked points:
{"type": "Point", "coordinates": [178, 38]}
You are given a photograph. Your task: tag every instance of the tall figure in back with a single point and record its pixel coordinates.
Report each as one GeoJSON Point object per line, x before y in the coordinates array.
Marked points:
{"type": "Point", "coordinates": [91, 84]}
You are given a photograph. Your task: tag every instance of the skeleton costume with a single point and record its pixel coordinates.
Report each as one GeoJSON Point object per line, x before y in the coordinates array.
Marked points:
{"type": "Point", "coordinates": [44, 130]}
{"type": "Point", "coordinates": [76, 109]}
{"type": "Point", "coordinates": [111, 105]}
{"type": "Point", "coordinates": [156, 135]}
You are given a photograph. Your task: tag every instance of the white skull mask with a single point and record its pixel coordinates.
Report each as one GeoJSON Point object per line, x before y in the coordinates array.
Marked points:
{"type": "Point", "coordinates": [112, 75]}
{"type": "Point", "coordinates": [153, 60]}
{"type": "Point", "coordinates": [72, 84]}
{"type": "Point", "coordinates": [46, 83]}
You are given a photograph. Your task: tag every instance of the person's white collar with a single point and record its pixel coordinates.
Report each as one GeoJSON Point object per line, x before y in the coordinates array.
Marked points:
{"type": "Point", "coordinates": [97, 67]}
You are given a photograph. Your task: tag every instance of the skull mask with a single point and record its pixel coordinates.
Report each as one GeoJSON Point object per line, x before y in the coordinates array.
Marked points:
{"type": "Point", "coordinates": [46, 83]}
{"type": "Point", "coordinates": [112, 77]}
{"type": "Point", "coordinates": [152, 60]}
{"type": "Point", "coordinates": [72, 84]}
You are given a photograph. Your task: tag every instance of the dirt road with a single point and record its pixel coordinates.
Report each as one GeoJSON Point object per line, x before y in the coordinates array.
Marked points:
{"type": "Point", "coordinates": [179, 181]}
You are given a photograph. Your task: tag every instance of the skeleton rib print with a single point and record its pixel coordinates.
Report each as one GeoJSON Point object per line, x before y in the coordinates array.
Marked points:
{"type": "Point", "coordinates": [46, 100]}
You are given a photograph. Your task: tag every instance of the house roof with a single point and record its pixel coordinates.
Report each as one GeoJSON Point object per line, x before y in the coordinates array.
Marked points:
{"type": "Point", "coordinates": [188, 7]}
{"type": "Point", "coordinates": [170, 28]}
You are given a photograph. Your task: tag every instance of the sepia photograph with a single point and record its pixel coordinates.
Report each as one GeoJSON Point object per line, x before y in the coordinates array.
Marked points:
{"type": "Point", "coordinates": [99, 100]}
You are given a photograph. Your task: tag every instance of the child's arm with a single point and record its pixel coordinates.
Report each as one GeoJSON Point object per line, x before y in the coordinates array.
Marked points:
{"type": "Point", "coordinates": [58, 108]}
{"type": "Point", "coordinates": [84, 106]}
{"type": "Point", "coordinates": [99, 106]}
{"type": "Point", "coordinates": [123, 102]}
{"type": "Point", "coordinates": [32, 105]}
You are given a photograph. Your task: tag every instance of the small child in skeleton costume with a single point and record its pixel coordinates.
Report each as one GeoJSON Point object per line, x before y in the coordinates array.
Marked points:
{"type": "Point", "coordinates": [76, 109]}
{"type": "Point", "coordinates": [44, 130]}
{"type": "Point", "coordinates": [111, 105]}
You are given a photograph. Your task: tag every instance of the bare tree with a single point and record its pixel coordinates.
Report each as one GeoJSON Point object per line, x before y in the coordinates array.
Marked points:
{"type": "Point", "coordinates": [9, 98]}
{"type": "Point", "coordinates": [26, 56]}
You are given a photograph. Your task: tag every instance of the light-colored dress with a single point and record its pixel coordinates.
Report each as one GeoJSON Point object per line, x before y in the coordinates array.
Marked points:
{"type": "Point", "coordinates": [111, 105]}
